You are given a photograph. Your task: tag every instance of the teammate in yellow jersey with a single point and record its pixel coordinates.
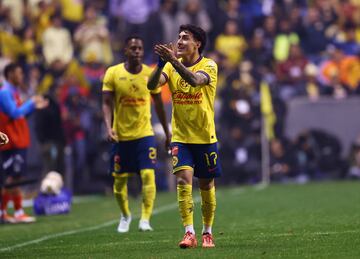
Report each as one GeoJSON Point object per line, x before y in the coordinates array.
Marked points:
{"type": "Point", "coordinates": [192, 80]}
{"type": "Point", "coordinates": [127, 115]}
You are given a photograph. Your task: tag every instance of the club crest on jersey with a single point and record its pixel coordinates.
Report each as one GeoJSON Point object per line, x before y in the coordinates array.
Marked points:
{"type": "Point", "coordinates": [184, 85]}
{"type": "Point", "coordinates": [175, 151]}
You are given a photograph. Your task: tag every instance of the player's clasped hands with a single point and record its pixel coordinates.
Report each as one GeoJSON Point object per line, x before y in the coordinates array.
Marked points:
{"type": "Point", "coordinates": [166, 51]}
{"type": "Point", "coordinates": [40, 101]}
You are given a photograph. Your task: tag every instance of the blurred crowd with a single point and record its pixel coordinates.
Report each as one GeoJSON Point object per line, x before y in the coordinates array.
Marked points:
{"type": "Point", "coordinates": [299, 48]}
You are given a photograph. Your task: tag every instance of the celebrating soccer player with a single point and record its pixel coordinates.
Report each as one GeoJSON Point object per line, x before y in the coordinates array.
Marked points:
{"type": "Point", "coordinates": [192, 80]}
{"type": "Point", "coordinates": [13, 123]}
{"type": "Point", "coordinates": [127, 115]}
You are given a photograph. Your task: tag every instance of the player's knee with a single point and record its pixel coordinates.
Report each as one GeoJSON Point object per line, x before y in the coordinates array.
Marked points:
{"type": "Point", "coordinates": [119, 184]}
{"type": "Point", "coordinates": [206, 184]}
{"type": "Point", "coordinates": [147, 177]}
{"type": "Point", "coordinates": [182, 181]}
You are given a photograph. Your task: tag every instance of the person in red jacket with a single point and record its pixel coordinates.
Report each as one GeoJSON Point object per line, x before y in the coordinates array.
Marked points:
{"type": "Point", "coordinates": [13, 123]}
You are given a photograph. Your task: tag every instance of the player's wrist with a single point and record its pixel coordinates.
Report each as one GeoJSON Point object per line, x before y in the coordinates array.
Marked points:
{"type": "Point", "coordinates": [161, 63]}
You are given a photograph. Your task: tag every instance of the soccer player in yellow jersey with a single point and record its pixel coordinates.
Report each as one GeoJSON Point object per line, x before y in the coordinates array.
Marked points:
{"type": "Point", "coordinates": [192, 80]}
{"type": "Point", "coordinates": [127, 115]}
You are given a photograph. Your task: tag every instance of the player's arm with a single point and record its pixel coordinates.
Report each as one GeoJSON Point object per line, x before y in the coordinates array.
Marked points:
{"type": "Point", "coordinates": [194, 79]}
{"type": "Point", "coordinates": [108, 108]}
{"type": "Point", "coordinates": [157, 78]}
{"type": "Point", "coordinates": [8, 105]}
{"type": "Point", "coordinates": [160, 111]}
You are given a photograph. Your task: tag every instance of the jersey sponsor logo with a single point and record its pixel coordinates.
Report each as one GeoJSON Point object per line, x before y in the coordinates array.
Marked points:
{"type": "Point", "coordinates": [180, 97]}
{"type": "Point", "coordinates": [130, 101]}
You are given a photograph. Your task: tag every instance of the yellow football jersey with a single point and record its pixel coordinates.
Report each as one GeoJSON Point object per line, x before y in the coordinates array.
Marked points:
{"type": "Point", "coordinates": [193, 107]}
{"type": "Point", "coordinates": [132, 102]}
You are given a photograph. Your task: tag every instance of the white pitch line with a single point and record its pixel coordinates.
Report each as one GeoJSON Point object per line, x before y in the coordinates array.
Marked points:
{"type": "Point", "coordinates": [81, 230]}
{"type": "Point", "coordinates": [315, 233]}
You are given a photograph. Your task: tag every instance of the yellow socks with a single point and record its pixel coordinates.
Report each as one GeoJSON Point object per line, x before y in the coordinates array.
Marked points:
{"type": "Point", "coordinates": [121, 194]}
{"type": "Point", "coordinates": [208, 206]}
{"type": "Point", "coordinates": [186, 203]}
{"type": "Point", "coordinates": [148, 193]}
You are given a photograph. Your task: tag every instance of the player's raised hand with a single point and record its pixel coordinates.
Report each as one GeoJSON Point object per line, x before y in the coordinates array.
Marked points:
{"type": "Point", "coordinates": [3, 139]}
{"type": "Point", "coordinates": [166, 52]}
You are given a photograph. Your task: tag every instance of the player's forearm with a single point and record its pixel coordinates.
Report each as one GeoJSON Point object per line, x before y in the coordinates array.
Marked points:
{"type": "Point", "coordinates": [14, 112]}
{"type": "Point", "coordinates": [160, 111]}
{"type": "Point", "coordinates": [107, 108]}
{"type": "Point", "coordinates": [154, 78]}
{"type": "Point", "coordinates": [107, 116]}
{"type": "Point", "coordinates": [185, 73]}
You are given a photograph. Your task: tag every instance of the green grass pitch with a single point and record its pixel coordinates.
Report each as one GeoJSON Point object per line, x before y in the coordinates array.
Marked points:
{"type": "Point", "coordinates": [317, 220]}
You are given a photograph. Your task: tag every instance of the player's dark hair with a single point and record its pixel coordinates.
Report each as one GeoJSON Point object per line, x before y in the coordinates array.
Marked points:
{"type": "Point", "coordinates": [133, 37]}
{"type": "Point", "coordinates": [9, 69]}
{"type": "Point", "coordinates": [198, 33]}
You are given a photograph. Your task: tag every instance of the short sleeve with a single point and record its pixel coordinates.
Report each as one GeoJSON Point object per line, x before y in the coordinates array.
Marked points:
{"type": "Point", "coordinates": [209, 69]}
{"type": "Point", "coordinates": [156, 90]}
{"type": "Point", "coordinates": [108, 84]}
{"type": "Point", "coordinates": [166, 71]}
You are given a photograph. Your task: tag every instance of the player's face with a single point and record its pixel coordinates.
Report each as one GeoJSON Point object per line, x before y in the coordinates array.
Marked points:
{"type": "Point", "coordinates": [135, 50]}
{"type": "Point", "coordinates": [186, 44]}
{"type": "Point", "coordinates": [17, 76]}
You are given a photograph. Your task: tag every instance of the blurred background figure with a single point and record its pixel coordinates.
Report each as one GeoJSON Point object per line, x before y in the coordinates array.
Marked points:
{"type": "Point", "coordinates": [13, 123]}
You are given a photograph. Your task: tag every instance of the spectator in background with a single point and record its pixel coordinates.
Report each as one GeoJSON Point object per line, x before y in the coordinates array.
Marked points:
{"type": "Point", "coordinates": [312, 84]}
{"type": "Point", "coordinates": [290, 73]}
{"type": "Point", "coordinates": [16, 9]}
{"type": "Point", "coordinates": [314, 40]}
{"type": "Point", "coordinates": [340, 71]}
{"type": "Point", "coordinates": [242, 156]}
{"type": "Point", "coordinates": [348, 43]}
{"type": "Point", "coordinates": [283, 40]}
{"type": "Point", "coordinates": [55, 74]}
{"type": "Point", "coordinates": [283, 165]}
{"type": "Point", "coordinates": [50, 133]}
{"type": "Point", "coordinates": [92, 38]}
{"type": "Point", "coordinates": [72, 12]}
{"type": "Point", "coordinates": [136, 13]}
{"type": "Point", "coordinates": [167, 13]}
{"type": "Point", "coordinates": [193, 13]}
{"type": "Point", "coordinates": [231, 44]}
{"type": "Point", "coordinates": [270, 31]}
{"type": "Point", "coordinates": [29, 47]}
{"type": "Point", "coordinates": [13, 123]}
{"type": "Point", "coordinates": [259, 56]}
{"type": "Point", "coordinates": [57, 43]}
{"type": "Point", "coordinates": [41, 15]}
